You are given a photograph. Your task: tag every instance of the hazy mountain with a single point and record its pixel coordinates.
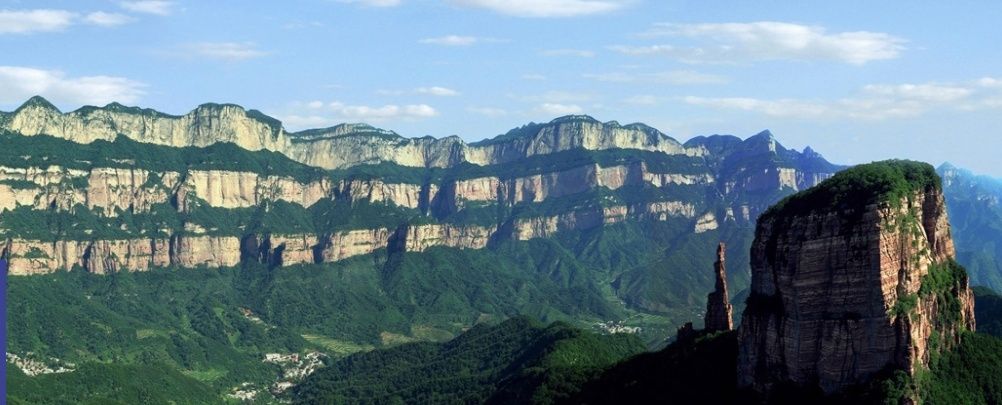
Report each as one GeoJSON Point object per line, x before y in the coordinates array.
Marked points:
{"type": "Point", "coordinates": [976, 216]}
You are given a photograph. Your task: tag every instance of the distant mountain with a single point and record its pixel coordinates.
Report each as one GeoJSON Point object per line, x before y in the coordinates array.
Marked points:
{"type": "Point", "coordinates": [122, 188]}
{"type": "Point", "coordinates": [973, 203]}
{"type": "Point", "coordinates": [330, 148]}
{"type": "Point", "coordinates": [517, 361]}
{"type": "Point", "coordinates": [354, 238]}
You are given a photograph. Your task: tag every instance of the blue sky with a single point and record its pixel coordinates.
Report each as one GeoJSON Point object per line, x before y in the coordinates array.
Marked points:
{"type": "Point", "coordinates": [856, 80]}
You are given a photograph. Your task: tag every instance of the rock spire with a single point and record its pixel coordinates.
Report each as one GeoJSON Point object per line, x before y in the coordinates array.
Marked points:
{"type": "Point", "coordinates": [718, 305]}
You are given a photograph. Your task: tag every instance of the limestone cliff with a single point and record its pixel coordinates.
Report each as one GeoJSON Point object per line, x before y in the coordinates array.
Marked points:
{"type": "Point", "coordinates": [336, 147]}
{"type": "Point", "coordinates": [203, 126]}
{"type": "Point", "coordinates": [850, 279]}
{"type": "Point", "coordinates": [540, 187]}
{"type": "Point", "coordinates": [217, 206]}
{"type": "Point", "coordinates": [192, 249]}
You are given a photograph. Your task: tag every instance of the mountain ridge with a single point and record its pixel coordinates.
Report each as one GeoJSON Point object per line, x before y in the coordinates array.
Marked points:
{"type": "Point", "coordinates": [340, 146]}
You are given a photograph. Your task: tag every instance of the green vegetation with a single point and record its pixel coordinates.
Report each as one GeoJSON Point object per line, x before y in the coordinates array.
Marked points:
{"type": "Point", "coordinates": [46, 151]}
{"type": "Point", "coordinates": [968, 374]}
{"type": "Point", "coordinates": [656, 162]}
{"type": "Point", "coordinates": [988, 311]}
{"type": "Point", "coordinates": [347, 130]}
{"type": "Point", "coordinates": [518, 360]}
{"type": "Point", "coordinates": [886, 182]}
{"type": "Point", "coordinates": [160, 322]}
{"type": "Point", "coordinates": [163, 220]}
{"type": "Point", "coordinates": [191, 324]}
{"type": "Point", "coordinates": [944, 282]}
{"type": "Point", "coordinates": [19, 184]}
{"type": "Point", "coordinates": [700, 371]}
{"type": "Point", "coordinates": [117, 107]}
{"type": "Point", "coordinates": [703, 371]}
{"type": "Point", "coordinates": [99, 383]}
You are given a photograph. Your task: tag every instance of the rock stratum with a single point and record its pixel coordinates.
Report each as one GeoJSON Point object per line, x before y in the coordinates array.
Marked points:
{"type": "Point", "coordinates": [853, 280]}
{"type": "Point", "coordinates": [119, 188]}
{"type": "Point", "coordinates": [330, 148]}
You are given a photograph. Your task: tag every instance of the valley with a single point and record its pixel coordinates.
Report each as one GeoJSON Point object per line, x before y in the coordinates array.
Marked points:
{"type": "Point", "coordinates": [198, 260]}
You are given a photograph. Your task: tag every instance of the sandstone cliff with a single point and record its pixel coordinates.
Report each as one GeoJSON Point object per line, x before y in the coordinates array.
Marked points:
{"type": "Point", "coordinates": [850, 279]}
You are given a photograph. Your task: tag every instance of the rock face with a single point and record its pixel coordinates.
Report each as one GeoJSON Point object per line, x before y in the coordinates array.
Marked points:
{"type": "Point", "coordinates": [718, 305]}
{"type": "Point", "coordinates": [331, 148]}
{"type": "Point", "coordinates": [192, 249]}
{"type": "Point", "coordinates": [123, 213]}
{"type": "Point", "coordinates": [850, 279]}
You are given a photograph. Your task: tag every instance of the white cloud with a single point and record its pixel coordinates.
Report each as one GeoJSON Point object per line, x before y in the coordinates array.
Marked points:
{"type": "Point", "coordinates": [776, 108]}
{"type": "Point", "coordinates": [436, 91]}
{"type": "Point", "coordinates": [768, 40]}
{"type": "Point", "coordinates": [673, 77]}
{"type": "Point", "coordinates": [492, 112]}
{"type": "Point", "coordinates": [559, 109]}
{"type": "Point", "coordinates": [533, 76]}
{"type": "Point", "coordinates": [157, 7]}
{"type": "Point", "coordinates": [297, 122]}
{"type": "Point", "coordinates": [989, 82]}
{"type": "Point", "coordinates": [645, 50]}
{"type": "Point", "coordinates": [546, 8]}
{"type": "Point", "coordinates": [19, 83]}
{"type": "Point", "coordinates": [374, 3]}
{"type": "Point", "coordinates": [923, 92]}
{"type": "Point", "coordinates": [315, 114]}
{"type": "Point", "coordinates": [228, 51]}
{"type": "Point", "coordinates": [29, 21]}
{"type": "Point", "coordinates": [581, 53]}
{"type": "Point", "coordinates": [43, 20]}
{"type": "Point", "coordinates": [451, 40]}
{"type": "Point", "coordinates": [104, 19]}
{"type": "Point", "coordinates": [342, 111]}
{"type": "Point", "coordinates": [643, 99]}
{"type": "Point", "coordinates": [873, 102]}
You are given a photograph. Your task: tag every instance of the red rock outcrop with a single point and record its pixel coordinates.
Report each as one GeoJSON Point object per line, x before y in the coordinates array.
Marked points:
{"type": "Point", "coordinates": [840, 295]}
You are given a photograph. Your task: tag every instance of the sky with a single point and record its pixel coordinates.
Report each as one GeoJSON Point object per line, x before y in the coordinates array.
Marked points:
{"type": "Point", "coordinates": [856, 80]}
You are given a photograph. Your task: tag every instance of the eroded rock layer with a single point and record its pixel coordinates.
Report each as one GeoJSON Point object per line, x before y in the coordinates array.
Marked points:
{"type": "Point", "coordinates": [852, 279]}
{"type": "Point", "coordinates": [110, 188]}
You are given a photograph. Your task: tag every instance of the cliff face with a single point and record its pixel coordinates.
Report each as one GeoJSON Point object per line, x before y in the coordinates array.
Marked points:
{"type": "Point", "coordinates": [204, 207]}
{"type": "Point", "coordinates": [331, 148]}
{"type": "Point", "coordinates": [849, 284]}
{"type": "Point", "coordinates": [203, 126]}
{"type": "Point", "coordinates": [191, 249]}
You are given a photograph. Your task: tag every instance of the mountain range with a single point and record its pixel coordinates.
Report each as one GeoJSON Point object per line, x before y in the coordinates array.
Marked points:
{"type": "Point", "coordinates": [350, 238]}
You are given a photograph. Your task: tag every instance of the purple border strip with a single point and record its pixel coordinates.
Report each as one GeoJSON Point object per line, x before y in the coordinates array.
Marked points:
{"type": "Point", "coordinates": [3, 329]}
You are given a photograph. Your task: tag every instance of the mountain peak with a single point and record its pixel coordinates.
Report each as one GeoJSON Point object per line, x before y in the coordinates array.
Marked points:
{"type": "Point", "coordinates": [217, 106]}
{"type": "Point", "coordinates": [764, 135]}
{"type": "Point", "coordinates": [574, 118]}
{"type": "Point", "coordinates": [38, 101]}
